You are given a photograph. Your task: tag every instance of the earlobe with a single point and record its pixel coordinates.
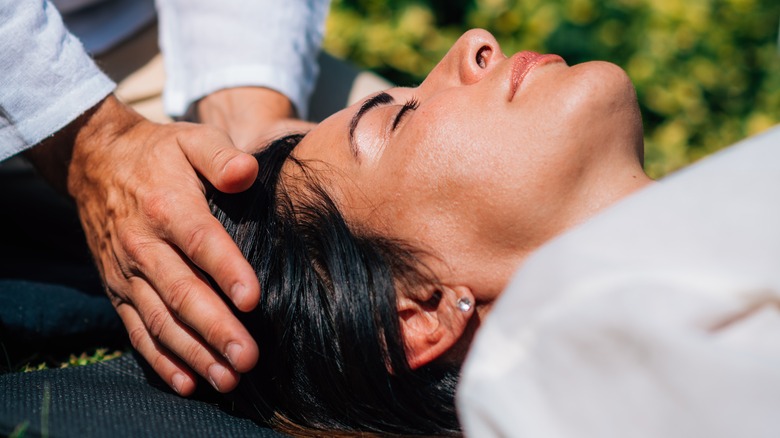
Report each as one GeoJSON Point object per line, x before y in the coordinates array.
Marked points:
{"type": "Point", "coordinates": [434, 321]}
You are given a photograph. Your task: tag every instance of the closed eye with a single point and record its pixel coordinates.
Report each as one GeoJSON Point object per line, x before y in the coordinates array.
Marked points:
{"type": "Point", "coordinates": [411, 104]}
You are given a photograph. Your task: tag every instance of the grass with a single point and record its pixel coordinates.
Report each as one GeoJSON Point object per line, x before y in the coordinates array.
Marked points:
{"type": "Point", "coordinates": [20, 430]}
{"type": "Point", "coordinates": [85, 358]}
{"type": "Point", "coordinates": [15, 358]}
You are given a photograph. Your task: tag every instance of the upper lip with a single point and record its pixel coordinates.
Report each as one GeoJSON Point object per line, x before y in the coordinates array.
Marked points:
{"type": "Point", "coordinates": [524, 62]}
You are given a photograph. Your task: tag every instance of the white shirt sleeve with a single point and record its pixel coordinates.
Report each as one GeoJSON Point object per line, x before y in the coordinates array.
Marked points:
{"type": "Point", "coordinates": [658, 318]}
{"type": "Point", "coordinates": [210, 45]}
{"type": "Point", "coordinates": [46, 77]}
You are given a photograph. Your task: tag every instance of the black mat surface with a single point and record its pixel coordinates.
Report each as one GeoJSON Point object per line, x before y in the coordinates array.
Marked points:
{"type": "Point", "coordinates": [116, 398]}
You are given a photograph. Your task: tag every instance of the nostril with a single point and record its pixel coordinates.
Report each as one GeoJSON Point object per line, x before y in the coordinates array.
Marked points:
{"type": "Point", "coordinates": [482, 56]}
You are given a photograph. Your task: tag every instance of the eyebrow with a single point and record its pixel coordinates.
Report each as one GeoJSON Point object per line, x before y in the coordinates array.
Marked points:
{"type": "Point", "coordinates": [379, 99]}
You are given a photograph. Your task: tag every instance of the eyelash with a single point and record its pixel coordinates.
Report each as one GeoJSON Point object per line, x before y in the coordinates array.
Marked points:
{"type": "Point", "coordinates": [411, 104]}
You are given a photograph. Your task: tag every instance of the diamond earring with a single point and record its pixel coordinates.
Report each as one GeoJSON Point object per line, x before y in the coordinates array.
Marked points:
{"type": "Point", "coordinates": [464, 304]}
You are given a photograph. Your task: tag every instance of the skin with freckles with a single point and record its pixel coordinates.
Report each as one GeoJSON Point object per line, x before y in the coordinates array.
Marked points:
{"type": "Point", "coordinates": [477, 168]}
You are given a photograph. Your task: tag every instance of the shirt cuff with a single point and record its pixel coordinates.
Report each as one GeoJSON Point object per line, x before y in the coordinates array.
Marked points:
{"type": "Point", "coordinates": [296, 87]}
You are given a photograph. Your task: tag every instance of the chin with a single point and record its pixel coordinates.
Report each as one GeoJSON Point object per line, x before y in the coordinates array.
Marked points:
{"type": "Point", "coordinates": [602, 86]}
{"type": "Point", "coordinates": [603, 100]}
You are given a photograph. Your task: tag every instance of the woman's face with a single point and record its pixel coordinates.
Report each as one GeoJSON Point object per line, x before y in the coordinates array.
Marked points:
{"type": "Point", "coordinates": [485, 160]}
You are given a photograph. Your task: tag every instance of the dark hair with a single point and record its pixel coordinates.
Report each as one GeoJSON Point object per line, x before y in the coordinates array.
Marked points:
{"type": "Point", "coordinates": [332, 355]}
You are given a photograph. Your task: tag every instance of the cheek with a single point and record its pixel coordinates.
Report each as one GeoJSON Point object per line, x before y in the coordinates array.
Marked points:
{"type": "Point", "coordinates": [449, 159]}
{"type": "Point", "coordinates": [460, 172]}
{"type": "Point", "coordinates": [428, 176]}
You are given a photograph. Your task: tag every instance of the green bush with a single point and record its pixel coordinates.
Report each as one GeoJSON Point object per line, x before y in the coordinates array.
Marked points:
{"type": "Point", "coordinates": [707, 72]}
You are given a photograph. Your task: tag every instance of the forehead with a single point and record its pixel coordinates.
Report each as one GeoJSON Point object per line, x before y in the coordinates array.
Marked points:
{"type": "Point", "coordinates": [326, 135]}
{"type": "Point", "coordinates": [331, 135]}
{"type": "Point", "coordinates": [360, 187]}
{"type": "Point", "coordinates": [326, 153]}
{"type": "Point", "coordinates": [331, 141]}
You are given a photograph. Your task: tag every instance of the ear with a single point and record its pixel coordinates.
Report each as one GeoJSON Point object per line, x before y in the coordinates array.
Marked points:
{"type": "Point", "coordinates": [432, 322]}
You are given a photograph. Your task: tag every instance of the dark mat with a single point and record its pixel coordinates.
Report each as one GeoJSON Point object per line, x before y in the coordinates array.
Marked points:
{"type": "Point", "coordinates": [52, 303]}
{"type": "Point", "coordinates": [117, 398]}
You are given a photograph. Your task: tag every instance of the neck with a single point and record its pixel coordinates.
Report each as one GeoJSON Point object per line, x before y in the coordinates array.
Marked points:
{"type": "Point", "coordinates": [605, 187]}
{"type": "Point", "coordinates": [599, 185]}
{"type": "Point", "coordinates": [578, 187]}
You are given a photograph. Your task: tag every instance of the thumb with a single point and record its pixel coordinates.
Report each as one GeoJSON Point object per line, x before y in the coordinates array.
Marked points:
{"type": "Point", "coordinates": [213, 155]}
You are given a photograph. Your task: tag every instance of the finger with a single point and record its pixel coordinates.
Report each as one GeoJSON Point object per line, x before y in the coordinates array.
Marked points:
{"type": "Point", "coordinates": [192, 302]}
{"type": "Point", "coordinates": [201, 237]}
{"type": "Point", "coordinates": [176, 375]}
{"type": "Point", "coordinates": [179, 340]}
{"type": "Point", "coordinates": [213, 155]}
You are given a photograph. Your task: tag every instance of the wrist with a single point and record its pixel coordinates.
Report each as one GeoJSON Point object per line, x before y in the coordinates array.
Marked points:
{"type": "Point", "coordinates": [53, 156]}
{"type": "Point", "coordinates": [106, 122]}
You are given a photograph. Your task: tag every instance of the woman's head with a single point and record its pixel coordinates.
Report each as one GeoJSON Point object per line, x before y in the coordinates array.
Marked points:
{"type": "Point", "coordinates": [491, 158]}
{"type": "Point", "coordinates": [391, 210]}
{"type": "Point", "coordinates": [334, 358]}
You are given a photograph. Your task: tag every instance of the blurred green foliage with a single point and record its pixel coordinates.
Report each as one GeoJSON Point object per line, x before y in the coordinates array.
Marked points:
{"type": "Point", "coordinates": [707, 72]}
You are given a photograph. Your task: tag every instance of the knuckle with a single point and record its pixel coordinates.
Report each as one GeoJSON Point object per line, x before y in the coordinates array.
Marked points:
{"type": "Point", "coordinates": [158, 363]}
{"type": "Point", "coordinates": [220, 156]}
{"type": "Point", "coordinates": [179, 294]}
{"type": "Point", "coordinates": [192, 355]}
{"type": "Point", "coordinates": [212, 332]}
{"type": "Point", "coordinates": [131, 242]}
{"type": "Point", "coordinates": [157, 205]}
{"type": "Point", "coordinates": [156, 322]}
{"type": "Point", "coordinates": [126, 234]}
{"type": "Point", "coordinates": [115, 297]}
{"type": "Point", "coordinates": [114, 281]}
{"type": "Point", "coordinates": [111, 257]}
{"type": "Point", "coordinates": [196, 239]}
{"type": "Point", "coordinates": [137, 337]}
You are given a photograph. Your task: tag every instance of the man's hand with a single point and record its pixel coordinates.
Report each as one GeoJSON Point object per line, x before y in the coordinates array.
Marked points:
{"type": "Point", "coordinates": [148, 224]}
{"type": "Point", "coordinates": [252, 116]}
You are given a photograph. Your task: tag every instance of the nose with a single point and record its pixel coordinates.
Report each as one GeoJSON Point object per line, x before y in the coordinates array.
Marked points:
{"type": "Point", "coordinates": [470, 59]}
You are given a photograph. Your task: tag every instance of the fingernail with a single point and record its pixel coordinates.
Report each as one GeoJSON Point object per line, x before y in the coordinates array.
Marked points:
{"type": "Point", "coordinates": [233, 353]}
{"type": "Point", "coordinates": [216, 372]}
{"type": "Point", "coordinates": [238, 293]}
{"type": "Point", "coordinates": [178, 381]}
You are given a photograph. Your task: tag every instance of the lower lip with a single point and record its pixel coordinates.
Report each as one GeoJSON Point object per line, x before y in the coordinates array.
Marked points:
{"type": "Point", "coordinates": [523, 63]}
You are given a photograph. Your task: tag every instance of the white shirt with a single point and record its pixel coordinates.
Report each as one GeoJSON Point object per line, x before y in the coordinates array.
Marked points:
{"type": "Point", "coordinates": [47, 79]}
{"type": "Point", "coordinates": [210, 45]}
{"type": "Point", "coordinates": [660, 317]}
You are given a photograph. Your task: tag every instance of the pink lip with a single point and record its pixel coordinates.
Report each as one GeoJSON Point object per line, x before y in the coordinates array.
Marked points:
{"type": "Point", "coordinates": [523, 63]}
